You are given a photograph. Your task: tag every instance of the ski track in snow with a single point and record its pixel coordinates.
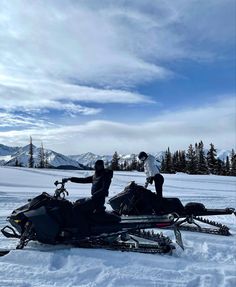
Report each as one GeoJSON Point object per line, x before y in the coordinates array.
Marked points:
{"type": "Point", "coordinates": [207, 261]}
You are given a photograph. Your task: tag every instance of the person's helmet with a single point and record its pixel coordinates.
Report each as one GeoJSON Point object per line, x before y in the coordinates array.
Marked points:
{"type": "Point", "coordinates": [142, 156]}
{"type": "Point", "coordinates": [99, 165]}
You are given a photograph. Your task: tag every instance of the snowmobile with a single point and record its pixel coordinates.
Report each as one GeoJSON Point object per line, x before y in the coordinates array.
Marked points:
{"type": "Point", "coordinates": [138, 200]}
{"type": "Point", "coordinates": [55, 220]}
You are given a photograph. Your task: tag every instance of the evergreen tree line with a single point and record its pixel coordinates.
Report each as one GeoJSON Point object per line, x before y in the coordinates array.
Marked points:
{"type": "Point", "coordinates": [126, 165]}
{"type": "Point", "coordinates": [193, 161]}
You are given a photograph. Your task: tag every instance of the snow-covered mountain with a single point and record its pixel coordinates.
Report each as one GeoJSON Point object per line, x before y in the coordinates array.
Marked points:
{"type": "Point", "coordinates": [9, 156]}
{"type": "Point", "coordinates": [89, 158]}
{"type": "Point", "coordinates": [222, 154]}
{"type": "Point", "coordinates": [7, 150]}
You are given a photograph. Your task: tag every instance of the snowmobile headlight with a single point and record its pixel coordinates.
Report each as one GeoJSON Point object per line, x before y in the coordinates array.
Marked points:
{"type": "Point", "coordinates": [17, 221]}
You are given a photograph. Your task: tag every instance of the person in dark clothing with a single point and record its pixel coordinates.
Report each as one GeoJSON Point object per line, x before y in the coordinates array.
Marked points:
{"type": "Point", "coordinates": [101, 181]}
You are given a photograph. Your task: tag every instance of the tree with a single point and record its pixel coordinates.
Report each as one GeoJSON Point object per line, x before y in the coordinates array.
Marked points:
{"type": "Point", "coordinates": [115, 162]}
{"type": "Point", "coordinates": [133, 164]}
{"type": "Point", "coordinates": [191, 160]}
{"type": "Point", "coordinates": [202, 163]}
{"type": "Point", "coordinates": [125, 165]}
{"type": "Point", "coordinates": [163, 164]}
{"type": "Point", "coordinates": [233, 163]}
{"type": "Point", "coordinates": [17, 162]}
{"type": "Point", "coordinates": [220, 167]}
{"type": "Point", "coordinates": [167, 165]}
{"type": "Point", "coordinates": [41, 157]}
{"type": "Point", "coordinates": [140, 166]}
{"type": "Point", "coordinates": [46, 158]}
{"type": "Point", "coordinates": [182, 159]}
{"type": "Point", "coordinates": [227, 166]}
{"type": "Point", "coordinates": [31, 154]}
{"type": "Point", "coordinates": [212, 159]}
{"type": "Point", "coordinates": [175, 160]}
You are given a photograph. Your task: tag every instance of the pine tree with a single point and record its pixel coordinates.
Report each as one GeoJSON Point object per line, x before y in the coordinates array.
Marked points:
{"type": "Point", "coordinates": [17, 162]}
{"type": "Point", "coordinates": [31, 154]}
{"type": "Point", "coordinates": [133, 164]}
{"type": "Point", "coordinates": [46, 158]}
{"type": "Point", "coordinates": [41, 157]}
{"type": "Point", "coordinates": [212, 159]}
{"type": "Point", "coordinates": [227, 166]}
{"type": "Point", "coordinates": [115, 162]}
{"type": "Point", "coordinates": [140, 166]}
{"type": "Point", "coordinates": [168, 162]}
{"type": "Point", "coordinates": [175, 161]}
{"type": "Point", "coordinates": [191, 160]}
{"type": "Point", "coordinates": [183, 163]}
{"type": "Point", "coordinates": [202, 163]}
{"type": "Point", "coordinates": [220, 170]}
{"type": "Point", "coordinates": [233, 163]}
{"type": "Point", "coordinates": [163, 165]}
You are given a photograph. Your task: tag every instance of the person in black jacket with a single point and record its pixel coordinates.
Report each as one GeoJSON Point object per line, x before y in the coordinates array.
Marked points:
{"type": "Point", "coordinates": [101, 181]}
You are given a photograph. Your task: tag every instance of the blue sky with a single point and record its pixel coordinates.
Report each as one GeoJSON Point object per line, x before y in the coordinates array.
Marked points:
{"type": "Point", "coordinates": [106, 75]}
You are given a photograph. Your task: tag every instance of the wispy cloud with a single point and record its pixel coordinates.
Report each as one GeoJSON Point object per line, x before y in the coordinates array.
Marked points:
{"type": "Point", "coordinates": [176, 130]}
{"type": "Point", "coordinates": [11, 120]}
{"type": "Point", "coordinates": [51, 44]}
{"type": "Point", "coordinates": [33, 96]}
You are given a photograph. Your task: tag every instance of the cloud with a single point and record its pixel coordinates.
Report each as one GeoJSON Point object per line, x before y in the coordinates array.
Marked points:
{"type": "Point", "coordinates": [10, 120]}
{"type": "Point", "coordinates": [69, 56]}
{"type": "Point", "coordinates": [114, 44]}
{"type": "Point", "coordinates": [174, 129]}
{"type": "Point", "coordinates": [44, 95]}
{"type": "Point", "coordinates": [97, 51]}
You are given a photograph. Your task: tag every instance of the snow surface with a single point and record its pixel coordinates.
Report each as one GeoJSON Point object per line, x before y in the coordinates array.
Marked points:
{"type": "Point", "coordinates": [208, 260]}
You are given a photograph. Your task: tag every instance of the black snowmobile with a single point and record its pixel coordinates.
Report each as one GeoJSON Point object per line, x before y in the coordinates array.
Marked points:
{"type": "Point", "coordinates": [138, 200]}
{"type": "Point", "coordinates": [55, 220]}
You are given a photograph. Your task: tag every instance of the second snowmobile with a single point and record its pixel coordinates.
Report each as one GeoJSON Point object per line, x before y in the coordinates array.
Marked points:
{"type": "Point", "coordinates": [138, 200]}
{"type": "Point", "coordinates": [56, 220]}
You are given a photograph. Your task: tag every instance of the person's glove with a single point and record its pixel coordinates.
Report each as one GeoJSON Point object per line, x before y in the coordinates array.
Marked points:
{"type": "Point", "coordinates": [64, 180]}
{"type": "Point", "coordinates": [149, 180]}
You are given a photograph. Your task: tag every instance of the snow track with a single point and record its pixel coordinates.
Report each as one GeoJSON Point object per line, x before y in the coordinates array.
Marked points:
{"type": "Point", "coordinates": [208, 260]}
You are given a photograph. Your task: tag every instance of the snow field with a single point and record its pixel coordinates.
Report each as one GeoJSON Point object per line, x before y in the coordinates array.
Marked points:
{"type": "Point", "coordinates": [208, 260]}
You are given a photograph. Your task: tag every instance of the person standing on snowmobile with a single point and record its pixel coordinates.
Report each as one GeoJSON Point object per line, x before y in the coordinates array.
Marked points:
{"type": "Point", "coordinates": [152, 170]}
{"type": "Point", "coordinates": [101, 181]}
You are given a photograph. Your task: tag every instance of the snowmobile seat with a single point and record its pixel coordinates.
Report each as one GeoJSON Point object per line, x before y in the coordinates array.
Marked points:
{"type": "Point", "coordinates": [194, 208]}
{"type": "Point", "coordinates": [169, 205]}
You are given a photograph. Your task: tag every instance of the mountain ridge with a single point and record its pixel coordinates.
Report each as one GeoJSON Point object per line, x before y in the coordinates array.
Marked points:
{"type": "Point", "coordinates": [8, 156]}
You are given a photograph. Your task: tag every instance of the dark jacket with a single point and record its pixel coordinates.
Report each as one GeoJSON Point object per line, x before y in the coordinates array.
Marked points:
{"type": "Point", "coordinates": [100, 182]}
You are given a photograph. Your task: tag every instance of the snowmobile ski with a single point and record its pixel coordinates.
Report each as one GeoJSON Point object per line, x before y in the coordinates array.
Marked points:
{"type": "Point", "coordinates": [4, 252]}
{"type": "Point", "coordinates": [193, 226]}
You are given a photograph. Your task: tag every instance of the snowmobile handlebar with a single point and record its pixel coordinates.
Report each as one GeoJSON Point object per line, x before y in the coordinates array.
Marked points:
{"type": "Point", "coordinates": [61, 191]}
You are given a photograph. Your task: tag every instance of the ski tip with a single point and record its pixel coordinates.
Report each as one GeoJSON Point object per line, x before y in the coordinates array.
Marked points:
{"type": "Point", "coordinates": [4, 252]}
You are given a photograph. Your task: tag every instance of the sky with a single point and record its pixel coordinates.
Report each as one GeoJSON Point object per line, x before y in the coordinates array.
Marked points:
{"type": "Point", "coordinates": [104, 76]}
